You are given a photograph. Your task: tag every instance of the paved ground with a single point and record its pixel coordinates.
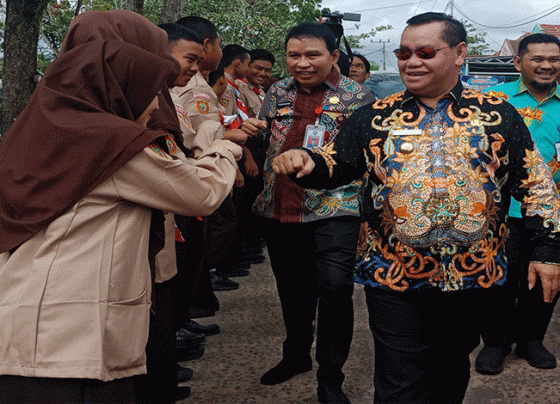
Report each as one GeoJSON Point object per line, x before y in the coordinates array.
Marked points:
{"type": "Point", "coordinates": [251, 337]}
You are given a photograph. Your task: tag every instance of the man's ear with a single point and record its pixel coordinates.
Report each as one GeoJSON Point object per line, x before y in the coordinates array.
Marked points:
{"type": "Point", "coordinates": [335, 55]}
{"type": "Point", "coordinates": [207, 44]}
{"type": "Point", "coordinates": [517, 63]}
{"type": "Point", "coordinates": [461, 49]}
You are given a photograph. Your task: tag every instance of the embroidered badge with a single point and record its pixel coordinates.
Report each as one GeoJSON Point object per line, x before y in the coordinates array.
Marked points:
{"type": "Point", "coordinates": [180, 110]}
{"type": "Point", "coordinates": [156, 149]}
{"type": "Point", "coordinates": [202, 106]}
{"type": "Point", "coordinates": [201, 95]}
{"type": "Point", "coordinates": [224, 102]}
{"type": "Point", "coordinates": [171, 145]}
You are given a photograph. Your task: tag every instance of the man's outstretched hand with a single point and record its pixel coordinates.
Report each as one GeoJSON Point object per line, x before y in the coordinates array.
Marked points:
{"type": "Point", "coordinates": [293, 161]}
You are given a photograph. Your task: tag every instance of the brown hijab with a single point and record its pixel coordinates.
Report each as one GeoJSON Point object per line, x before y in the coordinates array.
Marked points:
{"type": "Point", "coordinates": [78, 127]}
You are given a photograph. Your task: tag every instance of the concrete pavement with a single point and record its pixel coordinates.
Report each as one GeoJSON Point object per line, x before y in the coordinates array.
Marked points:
{"type": "Point", "coordinates": [251, 339]}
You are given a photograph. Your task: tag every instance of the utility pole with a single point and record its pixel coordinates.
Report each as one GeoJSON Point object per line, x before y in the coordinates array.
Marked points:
{"type": "Point", "coordinates": [384, 57]}
{"type": "Point", "coordinates": [451, 7]}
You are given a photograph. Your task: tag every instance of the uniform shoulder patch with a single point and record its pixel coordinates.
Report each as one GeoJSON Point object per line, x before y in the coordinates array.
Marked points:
{"type": "Point", "coordinates": [156, 149]}
{"type": "Point", "coordinates": [203, 106]}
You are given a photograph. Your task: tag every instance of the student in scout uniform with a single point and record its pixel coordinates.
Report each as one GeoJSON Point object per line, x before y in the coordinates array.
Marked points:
{"type": "Point", "coordinates": [259, 71]}
{"type": "Point", "coordinates": [235, 61]}
{"type": "Point", "coordinates": [79, 236]}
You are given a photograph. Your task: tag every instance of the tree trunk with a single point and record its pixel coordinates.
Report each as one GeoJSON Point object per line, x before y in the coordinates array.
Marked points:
{"type": "Point", "coordinates": [171, 10]}
{"type": "Point", "coordinates": [78, 7]}
{"type": "Point", "coordinates": [23, 20]}
{"type": "Point", "coordinates": [134, 5]}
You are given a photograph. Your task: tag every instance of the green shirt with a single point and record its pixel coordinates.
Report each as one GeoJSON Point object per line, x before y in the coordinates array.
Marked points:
{"type": "Point", "coordinates": [542, 119]}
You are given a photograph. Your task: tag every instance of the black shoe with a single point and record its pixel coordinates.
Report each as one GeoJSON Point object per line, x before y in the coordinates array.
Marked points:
{"type": "Point", "coordinates": [252, 258]}
{"type": "Point", "coordinates": [189, 353]}
{"type": "Point", "coordinates": [331, 394]}
{"type": "Point", "coordinates": [490, 359]}
{"type": "Point", "coordinates": [223, 283]}
{"type": "Point", "coordinates": [194, 327]}
{"type": "Point", "coordinates": [284, 371]}
{"type": "Point", "coordinates": [186, 338]}
{"type": "Point", "coordinates": [184, 374]}
{"type": "Point", "coordinates": [536, 355]}
{"type": "Point", "coordinates": [183, 392]}
{"type": "Point", "coordinates": [236, 270]}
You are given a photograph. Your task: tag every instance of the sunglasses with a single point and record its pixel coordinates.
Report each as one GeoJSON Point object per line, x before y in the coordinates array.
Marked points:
{"type": "Point", "coordinates": [425, 52]}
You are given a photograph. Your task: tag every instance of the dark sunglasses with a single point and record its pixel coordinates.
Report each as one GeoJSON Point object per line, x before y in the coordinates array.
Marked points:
{"type": "Point", "coordinates": [425, 52]}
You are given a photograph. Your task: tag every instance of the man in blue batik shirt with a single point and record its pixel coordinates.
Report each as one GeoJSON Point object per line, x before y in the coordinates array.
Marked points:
{"type": "Point", "coordinates": [442, 163]}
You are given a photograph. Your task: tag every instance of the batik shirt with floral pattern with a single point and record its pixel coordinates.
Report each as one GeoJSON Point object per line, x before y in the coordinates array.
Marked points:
{"type": "Point", "coordinates": [288, 110]}
{"type": "Point", "coordinates": [438, 189]}
{"type": "Point", "coordinates": [542, 119]}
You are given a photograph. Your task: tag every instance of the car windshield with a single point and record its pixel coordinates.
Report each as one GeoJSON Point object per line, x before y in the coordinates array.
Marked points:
{"type": "Point", "coordinates": [384, 84]}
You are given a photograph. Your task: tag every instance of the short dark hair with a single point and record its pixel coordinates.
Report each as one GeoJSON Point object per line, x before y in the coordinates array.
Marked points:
{"type": "Point", "coordinates": [315, 30]}
{"type": "Point", "coordinates": [536, 38]}
{"type": "Point", "coordinates": [200, 25]}
{"type": "Point", "coordinates": [454, 32]}
{"type": "Point", "coordinates": [215, 75]}
{"type": "Point", "coordinates": [363, 59]}
{"type": "Point", "coordinates": [230, 53]}
{"type": "Point", "coordinates": [176, 32]}
{"type": "Point", "coordinates": [262, 54]}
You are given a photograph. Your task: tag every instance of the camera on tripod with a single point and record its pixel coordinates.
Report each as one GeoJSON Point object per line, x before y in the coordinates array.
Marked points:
{"type": "Point", "coordinates": [334, 21]}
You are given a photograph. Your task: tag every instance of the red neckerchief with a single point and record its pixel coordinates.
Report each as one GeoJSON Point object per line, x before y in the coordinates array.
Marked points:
{"type": "Point", "coordinates": [243, 114]}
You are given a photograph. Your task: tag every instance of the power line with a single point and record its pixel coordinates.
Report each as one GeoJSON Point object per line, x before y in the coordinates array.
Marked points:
{"type": "Point", "coordinates": [548, 12]}
{"type": "Point", "coordinates": [400, 5]}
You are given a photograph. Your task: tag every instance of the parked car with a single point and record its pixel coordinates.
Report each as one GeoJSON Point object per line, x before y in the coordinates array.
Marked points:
{"type": "Point", "coordinates": [384, 83]}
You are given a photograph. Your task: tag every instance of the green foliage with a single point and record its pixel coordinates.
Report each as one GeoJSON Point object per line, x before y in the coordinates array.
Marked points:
{"type": "Point", "coordinates": [56, 20]}
{"type": "Point", "coordinates": [476, 40]}
{"type": "Point", "coordinates": [256, 23]}
{"type": "Point", "coordinates": [250, 23]}
{"type": "Point", "coordinates": [152, 10]}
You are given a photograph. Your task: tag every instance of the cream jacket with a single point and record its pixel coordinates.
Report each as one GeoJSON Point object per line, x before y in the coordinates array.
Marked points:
{"type": "Point", "coordinates": [75, 298]}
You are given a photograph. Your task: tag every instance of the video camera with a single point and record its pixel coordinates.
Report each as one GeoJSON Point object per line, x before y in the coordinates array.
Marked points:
{"type": "Point", "coordinates": [334, 21]}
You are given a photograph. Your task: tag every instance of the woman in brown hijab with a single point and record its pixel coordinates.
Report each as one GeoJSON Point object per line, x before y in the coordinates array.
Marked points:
{"type": "Point", "coordinates": [79, 177]}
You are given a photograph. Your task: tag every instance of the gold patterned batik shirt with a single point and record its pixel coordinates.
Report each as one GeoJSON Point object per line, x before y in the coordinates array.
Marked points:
{"type": "Point", "coordinates": [437, 188]}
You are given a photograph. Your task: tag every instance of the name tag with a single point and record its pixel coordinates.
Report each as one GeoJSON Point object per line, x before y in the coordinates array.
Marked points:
{"type": "Point", "coordinates": [408, 132]}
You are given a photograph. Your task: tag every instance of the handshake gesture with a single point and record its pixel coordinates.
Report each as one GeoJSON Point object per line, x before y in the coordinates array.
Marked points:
{"type": "Point", "coordinates": [293, 161]}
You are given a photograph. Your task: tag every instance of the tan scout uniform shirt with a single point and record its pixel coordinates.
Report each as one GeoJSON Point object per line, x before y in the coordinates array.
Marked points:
{"type": "Point", "coordinates": [166, 259]}
{"type": "Point", "coordinates": [207, 131]}
{"type": "Point", "coordinates": [250, 98]}
{"type": "Point", "coordinates": [228, 102]}
{"type": "Point", "coordinates": [199, 101]}
{"type": "Point", "coordinates": [75, 298]}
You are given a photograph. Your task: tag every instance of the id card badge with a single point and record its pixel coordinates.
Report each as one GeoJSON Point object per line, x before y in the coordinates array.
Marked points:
{"type": "Point", "coordinates": [557, 147]}
{"type": "Point", "coordinates": [314, 136]}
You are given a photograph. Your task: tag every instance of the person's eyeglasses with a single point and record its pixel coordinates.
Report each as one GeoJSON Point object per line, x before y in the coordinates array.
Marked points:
{"type": "Point", "coordinates": [425, 52]}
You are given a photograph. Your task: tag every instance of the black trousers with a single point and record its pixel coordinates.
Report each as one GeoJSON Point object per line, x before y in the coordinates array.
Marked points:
{"type": "Point", "coordinates": [25, 390]}
{"type": "Point", "coordinates": [159, 385]}
{"type": "Point", "coordinates": [313, 264]}
{"type": "Point", "coordinates": [422, 343]}
{"type": "Point", "coordinates": [526, 316]}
